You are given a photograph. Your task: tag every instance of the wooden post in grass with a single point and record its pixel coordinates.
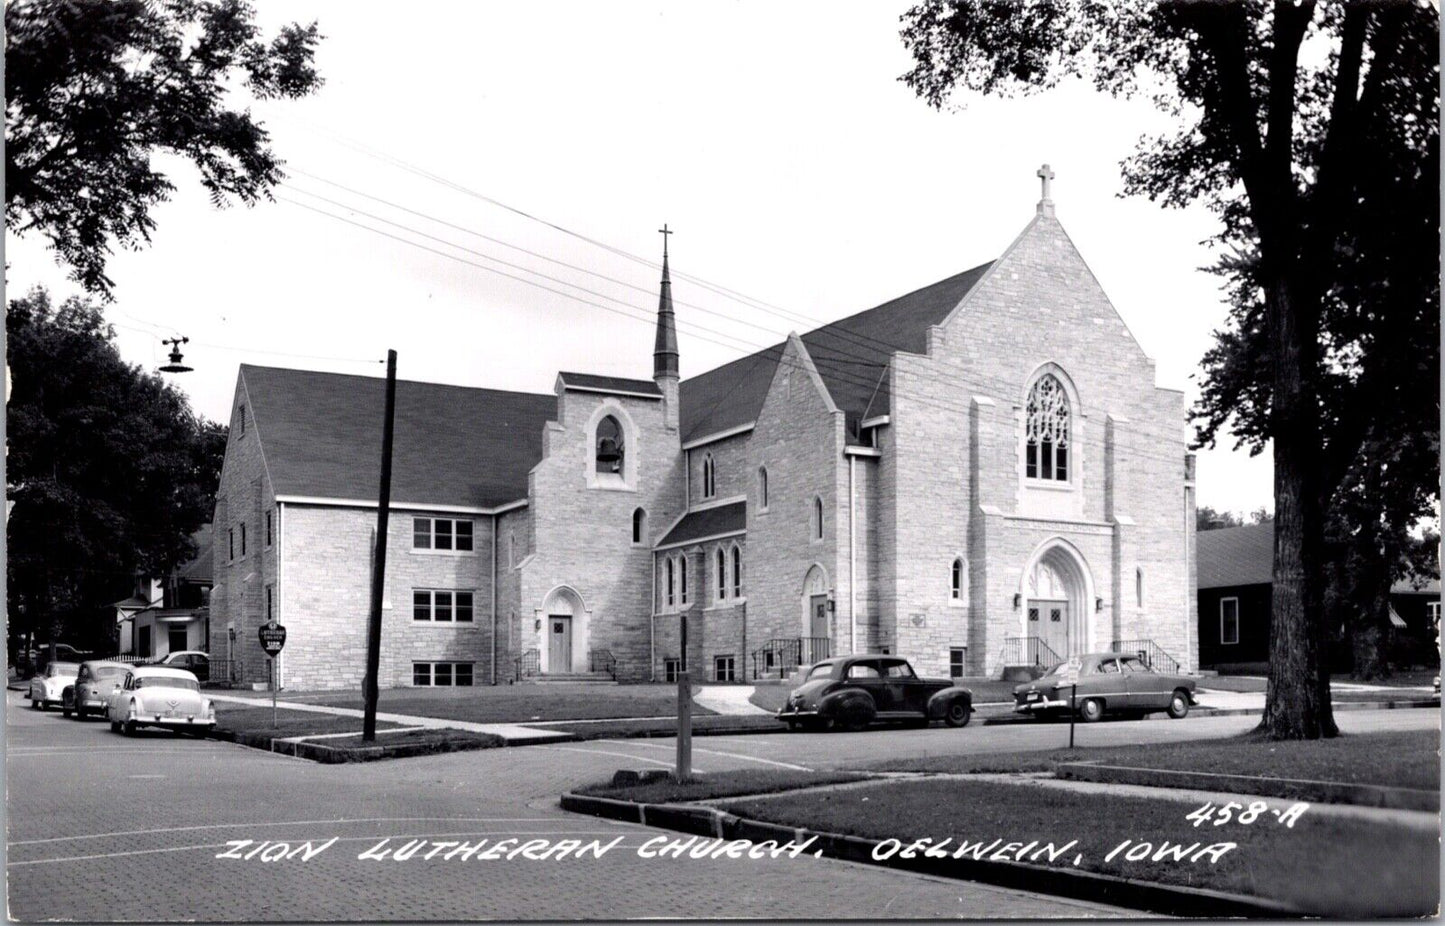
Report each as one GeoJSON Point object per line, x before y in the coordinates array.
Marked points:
{"type": "Point", "coordinates": [684, 728]}
{"type": "Point", "coordinates": [378, 564]}
{"type": "Point", "coordinates": [1073, 691]}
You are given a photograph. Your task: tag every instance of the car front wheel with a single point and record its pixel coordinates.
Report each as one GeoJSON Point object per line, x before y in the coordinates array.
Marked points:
{"type": "Point", "coordinates": [958, 714]}
{"type": "Point", "coordinates": [1179, 705]}
{"type": "Point", "coordinates": [1091, 710]}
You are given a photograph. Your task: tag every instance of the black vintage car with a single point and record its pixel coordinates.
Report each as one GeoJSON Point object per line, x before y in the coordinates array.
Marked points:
{"type": "Point", "coordinates": [850, 692]}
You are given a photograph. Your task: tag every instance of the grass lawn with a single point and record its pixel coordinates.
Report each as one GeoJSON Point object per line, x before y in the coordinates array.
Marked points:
{"type": "Point", "coordinates": [289, 723]}
{"type": "Point", "coordinates": [1326, 866]}
{"type": "Point", "coordinates": [1381, 694]}
{"type": "Point", "coordinates": [1414, 760]}
{"type": "Point", "coordinates": [725, 784]}
{"type": "Point", "coordinates": [515, 703]}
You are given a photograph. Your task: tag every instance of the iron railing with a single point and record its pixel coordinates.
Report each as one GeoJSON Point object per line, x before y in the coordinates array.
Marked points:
{"type": "Point", "coordinates": [602, 660]}
{"type": "Point", "coordinates": [783, 654]}
{"type": "Point", "coordinates": [1029, 651]}
{"type": "Point", "coordinates": [1149, 653]}
{"type": "Point", "coordinates": [527, 665]}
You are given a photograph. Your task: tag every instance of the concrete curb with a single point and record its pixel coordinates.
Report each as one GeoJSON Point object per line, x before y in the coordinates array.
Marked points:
{"type": "Point", "coordinates": [1163, 899]}
{"type": "Point", "coordinates": [336, 755]}
{"type": "Point", "coordinates": [1320, 792]}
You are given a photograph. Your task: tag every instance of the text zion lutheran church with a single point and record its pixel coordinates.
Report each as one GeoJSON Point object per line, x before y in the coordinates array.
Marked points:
{"type": "Point", "coordinates": [978, 474]}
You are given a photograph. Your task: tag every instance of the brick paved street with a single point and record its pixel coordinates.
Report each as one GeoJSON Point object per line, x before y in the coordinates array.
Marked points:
{"type": "Point", "coordinates": [108, 828]}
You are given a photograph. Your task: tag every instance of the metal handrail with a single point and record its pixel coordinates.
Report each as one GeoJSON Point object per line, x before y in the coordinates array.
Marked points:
{"type": "Point", "coordinates": [1029, 651]}
{"type": "Point", "coordinates": [787, 653]}
{"type": "Point", "coordinates": [1150, 653]}
{"type": "Point", "coordinates": [602, 660]}
{"type": "Point", "coordinates": [527, 665]}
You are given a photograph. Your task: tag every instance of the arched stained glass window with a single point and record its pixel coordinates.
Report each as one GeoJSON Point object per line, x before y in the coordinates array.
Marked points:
{"type": "Point", "coordinates": [722, 574]}
{"type": "Point", "coordinates": [670, 593]}
{"type": "Point", "coordinates": [957, 587]}
{"type": "Point", "coordinates": [709, 482]}
{"type": "Point", "coordinates": [737, 571]}
{"type": "Point", "coordinates": [1046, 435]}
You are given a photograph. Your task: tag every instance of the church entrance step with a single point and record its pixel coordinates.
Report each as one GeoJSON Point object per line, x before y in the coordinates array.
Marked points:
{"type": "Point", "coordinates": [591, 678]}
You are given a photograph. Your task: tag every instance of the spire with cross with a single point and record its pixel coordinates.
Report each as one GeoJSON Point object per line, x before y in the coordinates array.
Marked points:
{"type": "Point", "coordinates": [1046, 204]}
{"type": "Point", "coordinates": [664, 355]}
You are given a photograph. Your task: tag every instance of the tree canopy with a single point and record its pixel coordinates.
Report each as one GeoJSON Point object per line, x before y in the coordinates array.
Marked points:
{"type": "Point", "coordinates": [1291, 121]}
{"type": "Point", "coordinates": [109, 470]}
{"type": "Point", "coordinates": [95, 88]}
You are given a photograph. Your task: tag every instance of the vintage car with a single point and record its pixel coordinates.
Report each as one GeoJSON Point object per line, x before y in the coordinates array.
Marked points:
{"type": "Point", "coordinates": [850, 692]}
{"type": "Point", "coordinates": [193, 661]}
{"type": "Point", "coordinates": [159, 696]}
{"type": "Point", "coordinates": [49, 686]}
{"type": "Point", "coordinates": [93, 685]}
{"type": "Point", "coordinates": [1105, 682]}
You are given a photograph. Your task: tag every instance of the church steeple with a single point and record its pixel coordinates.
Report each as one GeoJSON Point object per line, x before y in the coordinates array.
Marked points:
{"type": "Point", "coordinates": [664, 354]}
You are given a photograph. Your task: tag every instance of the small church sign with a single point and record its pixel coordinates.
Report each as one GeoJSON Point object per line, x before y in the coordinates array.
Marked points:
{"type": "Point", "coordinates": [273, 637]}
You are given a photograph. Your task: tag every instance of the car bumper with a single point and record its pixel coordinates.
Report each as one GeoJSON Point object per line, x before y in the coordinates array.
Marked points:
{"type": "Point", "coordinates": [790, 713]}
{"type": "Point", "coordinates": [157, 720]}
{"type": "Point", "coordinates": [1029, 707]}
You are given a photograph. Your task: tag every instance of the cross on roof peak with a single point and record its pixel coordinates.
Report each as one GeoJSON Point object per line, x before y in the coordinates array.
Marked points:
{"type": "Point", "coordinates": [1046, 204]}
{"type": "Point", "coordinates": [664, 231]}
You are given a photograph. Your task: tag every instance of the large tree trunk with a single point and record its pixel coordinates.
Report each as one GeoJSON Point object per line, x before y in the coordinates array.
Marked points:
{"type": "Point", "coordinates": [1297, 699]}
{"type": "Point", "coordinates": [1372, 634]}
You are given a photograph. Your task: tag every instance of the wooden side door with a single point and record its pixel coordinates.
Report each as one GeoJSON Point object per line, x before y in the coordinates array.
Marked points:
{"type": "Point", "coordinates": [559, 643]}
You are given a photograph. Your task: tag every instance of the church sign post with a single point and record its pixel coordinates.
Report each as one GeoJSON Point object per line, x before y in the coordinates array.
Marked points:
{"type": "Point", "coordinates": [273, 638]}
{"type": "Point", "coordinates": [378, 567]}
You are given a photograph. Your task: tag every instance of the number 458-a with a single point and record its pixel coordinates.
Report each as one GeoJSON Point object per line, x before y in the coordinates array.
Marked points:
{"type": "Point", "coordinates": [1240, 813]}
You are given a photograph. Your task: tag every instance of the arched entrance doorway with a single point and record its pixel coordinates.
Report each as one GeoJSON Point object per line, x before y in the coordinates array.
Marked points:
{"type": "Point", "coordinates": [1057, 591]}
{"type": "Point", "coordinates": [564, 630]}
{"type": "Point", "coordinates": [816, 633]}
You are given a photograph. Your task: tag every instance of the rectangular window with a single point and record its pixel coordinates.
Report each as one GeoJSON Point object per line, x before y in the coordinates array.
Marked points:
{"type": "Point", "coordinates": [230, 543]}
{"type": "Point", "coordinates": [270, 614]}
{"type": "Point", "coordinates": [241, 422]}
{"type": "Point", "coordinates": [1034, 614]}
{"type": "Point", "coordinates": [442, 674]}
{"type": "Point", "coordinates": [722, 668]}
{"type": "Point", "coordinates": [737, 572]}
{"type": "Point", "coordinates": [1031, 460]}
{"type": "Point", "coordinates": [243, 538]}
{"type": "Point", "coordinates": [268, 529]}
{"type": "Point", "coordinates": [955, 661]}
{"type": "Point", "coordinates": [671, 669]}
{"type": "Point", "coordinates": [441, 534]}
{"type": "Point", "coordinates": [441, 605]}
{"type": "Point", "coordinates": [1228, 620]}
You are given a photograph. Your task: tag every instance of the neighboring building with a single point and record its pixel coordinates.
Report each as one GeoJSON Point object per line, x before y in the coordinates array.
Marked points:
{"type": "Point", "coordinates": [1236, 576]}
{"type": "Point", "coordinates": [978, 474]}
{"type": "Point", "coordinates": [170, 614]}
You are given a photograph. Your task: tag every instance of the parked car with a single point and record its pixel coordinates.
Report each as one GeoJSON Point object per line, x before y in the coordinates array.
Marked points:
{"type": "Point", "coordinates": [159, 696]}
{"type": "Point", "coordinates": [1106, 682]}
{"type": "Point", "coordinates": [93, 685]}
{"type": "Point", "coordinates": [193, 661]}
{"type": "Point", "coordinates": [48, 688]}
{"type": "Point", "coordinates": [39, 656]}
{"type": "Point", "coordinates": [851, 692]}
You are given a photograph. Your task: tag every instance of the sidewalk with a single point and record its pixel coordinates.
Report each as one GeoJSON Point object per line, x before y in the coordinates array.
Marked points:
{"type": "Point", "coordinates": [512, 734]}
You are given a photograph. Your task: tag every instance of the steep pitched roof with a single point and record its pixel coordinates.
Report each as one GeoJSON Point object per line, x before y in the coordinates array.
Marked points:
{"type": "Point", "coordinates": [851, 356]}
{"type": "Point", "coordinates": [709, 522]}
{"type": "Point", "coordinates": [199, 569]}
{"type": "Point", "coordinates": [454, 445]}
{"type": "Point", "coordinates": [1245, 556]}
{"type": "Point", "coordinates": [609, 383]}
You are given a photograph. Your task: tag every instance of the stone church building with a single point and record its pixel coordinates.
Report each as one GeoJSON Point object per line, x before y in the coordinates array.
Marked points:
{"type": "Point", "coordinates": [978, 474]}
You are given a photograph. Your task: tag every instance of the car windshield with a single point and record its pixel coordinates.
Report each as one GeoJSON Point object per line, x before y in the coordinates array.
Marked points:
{"type": "Point", "coordinates": [108, 671]}
{"type": "Point", "coordinates": [821, 670]}
{"type": "Point", "coordinates": [166, 681]}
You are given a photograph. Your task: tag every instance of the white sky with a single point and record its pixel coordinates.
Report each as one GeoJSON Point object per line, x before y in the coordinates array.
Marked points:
{"type": "Point", "coordinates": [774, 138]}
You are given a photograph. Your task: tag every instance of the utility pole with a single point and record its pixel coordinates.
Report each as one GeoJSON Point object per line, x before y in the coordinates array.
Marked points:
{"type": "Point", "coordinates": [378, 565]}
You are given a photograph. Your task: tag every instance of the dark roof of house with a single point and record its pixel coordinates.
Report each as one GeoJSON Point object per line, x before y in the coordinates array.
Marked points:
{"type": "Point", "coordinates": [709, 522]}
{"type": "Point", "coordinates": [851, 356]}
{"type": "Point", "coordinates": [610, 383]}
{"type": "Point", "coordinates": [199, 569]}
{"type": "Point", "coordinates": [1244, 555]}
{"type": "Point", "coordinates": [454, 445]}
{"type": "Point", "coordinates": [1235, 555]}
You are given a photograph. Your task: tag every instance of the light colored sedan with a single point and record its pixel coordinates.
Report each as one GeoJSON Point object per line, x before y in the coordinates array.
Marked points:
{"type": "Point", "coordinates": [48, 688]}
{"type": "Point", "coordinates": [1119, 683]}
{"type": "Point", "coordinates": [159, 696]}
{"type": "Point", "coordinates": [98, 678]}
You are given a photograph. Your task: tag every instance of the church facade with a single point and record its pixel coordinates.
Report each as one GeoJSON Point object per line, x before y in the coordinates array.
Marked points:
{"type": "Point", "coordinates": [976, 475]}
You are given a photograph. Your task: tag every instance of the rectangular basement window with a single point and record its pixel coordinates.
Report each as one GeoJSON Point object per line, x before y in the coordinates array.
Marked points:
{"type": "Point", "coordinates": [442, 674]}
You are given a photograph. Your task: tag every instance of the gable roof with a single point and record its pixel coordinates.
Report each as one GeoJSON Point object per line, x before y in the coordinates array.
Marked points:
{"type": "Point", "coordinates": [1235, 555]}
{"type": "Point", "coordinates": [454, 445]}
{"type": "Point", "coordinates": [851, 356]}
{"type": "Point", "coordinates": [592, 381]}
{"type": "Point", "coordinates": [709, 522]}
{"type": "Point", "coordinates": [200, 568]}
{"type": "Point", "coordinates": [1245, 556]}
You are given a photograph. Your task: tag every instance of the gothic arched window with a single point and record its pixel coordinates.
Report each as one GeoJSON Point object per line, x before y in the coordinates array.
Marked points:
{"type": "Point", "coordinates": [722, 574]}
{"type": "Point", "coordinates": [639, 527]}
{"type": "Point", "coordinates": [709, 479]}
{"type": "Point", "coordinates": [1046, 434]}
{"type": "Point", "coordinates": [682, 578]}
{"type": "Point", "coordinates": [670, 593]}
{"type": "Point", "coordinates": [737, 571]}
{"type": "Point", "coordinates": [763, 488]}
{"type": "Point", "coordinates": [609, 450]}
{"type": "Point", "coordinates": [956, 591]}
{"type": "Point", "coordinates": [817, 519]}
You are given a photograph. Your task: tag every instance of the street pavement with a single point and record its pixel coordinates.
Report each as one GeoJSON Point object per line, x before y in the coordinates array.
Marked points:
{"type": "Point", "coordinates": [103, 827]}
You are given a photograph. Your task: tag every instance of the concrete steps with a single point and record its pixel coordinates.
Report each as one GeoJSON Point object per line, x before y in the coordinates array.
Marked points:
{"type": "Point", "coordinates": [572, 678]}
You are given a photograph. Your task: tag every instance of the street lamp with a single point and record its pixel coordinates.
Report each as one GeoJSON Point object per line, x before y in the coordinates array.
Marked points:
{"type": "Point", "coordinates": [175, 366]}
